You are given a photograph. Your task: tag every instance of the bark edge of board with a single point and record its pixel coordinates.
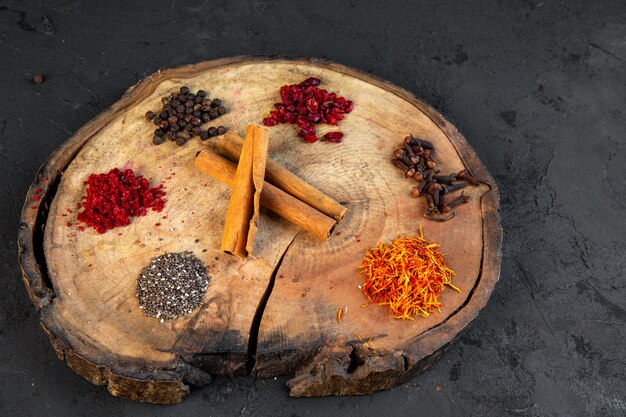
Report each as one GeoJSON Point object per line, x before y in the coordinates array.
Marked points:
{"type": "Point", "coordinates": [167, 386]}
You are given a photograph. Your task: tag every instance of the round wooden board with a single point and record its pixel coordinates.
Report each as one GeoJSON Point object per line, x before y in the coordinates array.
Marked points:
{"type": "Point", "coordinates": [275, 313]}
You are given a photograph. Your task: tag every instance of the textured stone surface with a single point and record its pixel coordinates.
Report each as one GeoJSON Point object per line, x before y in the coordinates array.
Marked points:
{"type": "Point", "coordinates": [538, 90]}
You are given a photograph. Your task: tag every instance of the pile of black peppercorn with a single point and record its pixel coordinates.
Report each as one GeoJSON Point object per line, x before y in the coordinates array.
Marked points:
{"type": "Point", "coordinates": [182, 115]}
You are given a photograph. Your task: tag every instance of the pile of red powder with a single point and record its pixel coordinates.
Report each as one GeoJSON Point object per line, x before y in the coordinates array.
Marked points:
{"type": "Point", "coordinates": [113, 198]}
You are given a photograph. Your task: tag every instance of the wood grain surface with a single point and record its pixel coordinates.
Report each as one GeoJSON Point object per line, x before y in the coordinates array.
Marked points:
{"type": "Point", "coordinates": [275, 313]}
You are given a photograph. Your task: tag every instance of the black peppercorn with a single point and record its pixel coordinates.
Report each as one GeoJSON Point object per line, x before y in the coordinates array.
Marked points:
{"type": "Point", "coordinates": [188, 110]}
{"type": "Point", "coordinates": [159, 132]}
{"type": "Point", "coordinates": [221, 130]}
{"type": "Point", "coordinates": [184, 90]}
{"type": "Point", "coordinates": [221, 110]}
{"type": "Point", "coordinates": [172, 120]}
{"type": "Point", "coordinates": [206, 108]}
{"type": "Point", "coordinates": [201, 93]}
{"type": "Point", "coordinates": [150, 115]}
{"type": "Point", "coordinates": [180, 108]}
{"type": "Point", "coordinates": [189, 103]}
{"type": "Point", "coordinates": [206, 101]}
{"type": "Point", "coordinates": [212, 131]}
{"type": "Point", "coordinates": [157, 120]}
{"type": "Point", "coordinates": [172, 136]}
{"type": "Point", "coordinates": [214, 114]}
{"type": "Point", "coordinates": [197, 99]}
{"type": "Point", "coordinates": [180, 141]}
{"type": "Point", "coordinates": [204, 135]}
{"type": "Point", "coordinates": [206, 117]}
{"type": "Point", "coordinates": [216, 102]}
{"type": "Point", "coordinates": [165, 101]}
{"type": "Point", "coordinates": [38, 79]}
{"type": "Point", "coordinates": [196, 121]}
{"type": "Point", "coordinates": [188, 127]}
{"type": "Point", "coordinates": [157, 140]}
{"type": "Point", "coordinates": [196, 130]}
{"type": "Point", "coordinates": [174, 128]}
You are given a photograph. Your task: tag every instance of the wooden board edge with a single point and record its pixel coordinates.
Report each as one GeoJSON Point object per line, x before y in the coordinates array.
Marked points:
{"type": "Point", "coordinates": [163, 388]}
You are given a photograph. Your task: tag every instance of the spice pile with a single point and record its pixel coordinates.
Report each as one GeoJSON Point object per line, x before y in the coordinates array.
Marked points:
{"type": "Point", "coordinates": [112, 198]}
{"type": "Point", "coordinates": [305, 104]}
{"type": "Point", "coordinates": [408, 276]}
{"type": "Point", "coordinates": [416, 160]}
{"type": "Point", "coordinates": [183, 113]}
{"type": "Point", "coordinates": [172, 285]}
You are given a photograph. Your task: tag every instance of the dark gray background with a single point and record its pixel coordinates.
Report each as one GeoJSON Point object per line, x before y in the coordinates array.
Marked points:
{"type": "Point", "coordinates": [537, 87]}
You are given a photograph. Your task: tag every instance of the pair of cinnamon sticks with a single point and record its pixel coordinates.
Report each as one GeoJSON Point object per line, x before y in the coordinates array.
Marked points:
{"type": "Point", "coordinates": [257, 180]}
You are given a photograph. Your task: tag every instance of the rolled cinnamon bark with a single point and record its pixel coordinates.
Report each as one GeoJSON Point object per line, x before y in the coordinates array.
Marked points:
{"type": "Point", "coordinates": [273, 198]}
{"type": "Point", "coordinates": [287, 181]}
{"type": "Point", "coordinates": [243, 209]}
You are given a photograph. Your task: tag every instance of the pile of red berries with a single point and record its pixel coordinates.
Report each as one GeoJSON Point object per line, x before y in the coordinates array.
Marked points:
{"type": "Point", "coordinates": [305, 104]}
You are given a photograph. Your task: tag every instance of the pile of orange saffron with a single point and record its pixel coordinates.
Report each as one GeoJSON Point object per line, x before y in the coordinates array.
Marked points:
{"type": "Point", "coordinates": [408, 276]}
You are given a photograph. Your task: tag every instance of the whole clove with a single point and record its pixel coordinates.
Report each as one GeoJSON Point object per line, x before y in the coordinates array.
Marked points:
{"type": "Point", "coordinates": [411, 155]}
{"type": "Point", "coordinates": [406, 161]}
{"type": "Point", "coordinates": [398, 153]}
{"type": "Point", "coordinates": [430, 203]}
{"type": "Point", "coordinates": [447, 207]}
{"type": "Point", "coordinates": [435, 190]}
{"type": "Point", "coordinates": [400, 165]}
{"type": "Point", "coordinates": [445, 179]}
{"type": "Point", "coordinates": [464, 175]}
{"type": "Point", "coordinates": [453, 187]}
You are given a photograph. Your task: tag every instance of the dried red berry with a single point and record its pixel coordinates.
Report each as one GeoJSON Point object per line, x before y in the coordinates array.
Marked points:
{"type": "Point", "coordinates": [269, 121]}
{"type": "Point", "coordinates": [334, 137]}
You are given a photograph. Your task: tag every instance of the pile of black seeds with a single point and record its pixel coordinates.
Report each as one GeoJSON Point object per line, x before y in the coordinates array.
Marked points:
{"type": "Point", "coordinates": [172, 285]}
{"type": "Point", "coordinates": [182, 115]}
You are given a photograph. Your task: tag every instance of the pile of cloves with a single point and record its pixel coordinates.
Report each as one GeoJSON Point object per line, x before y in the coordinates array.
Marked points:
{"type": "Point", "coordinates": [416, 160]}
{"type": "Point", "coordinates": [182, 114]}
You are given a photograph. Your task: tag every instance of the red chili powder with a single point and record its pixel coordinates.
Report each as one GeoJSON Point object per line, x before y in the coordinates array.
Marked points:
{"type": "Point", "coordinates": [112, 198]}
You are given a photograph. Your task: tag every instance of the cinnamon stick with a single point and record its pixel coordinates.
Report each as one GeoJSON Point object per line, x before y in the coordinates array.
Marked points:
{"type": "Point", "coordinates": [273, 198]}
{"type": "Point", "coordinates": [287, 181]}
{"type": "Point", "coordinates": [243, 209]}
